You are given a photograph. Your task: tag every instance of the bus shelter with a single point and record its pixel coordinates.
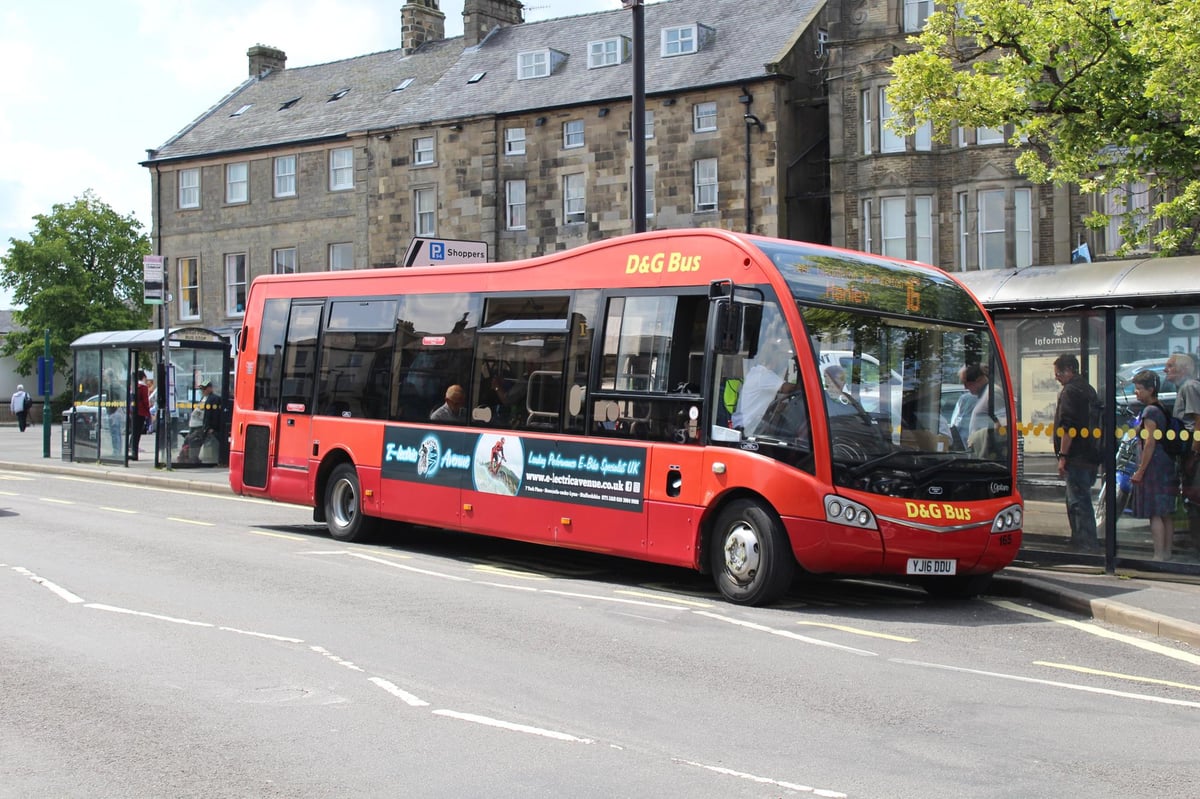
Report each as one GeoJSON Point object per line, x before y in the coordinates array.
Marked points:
{"type": "Point", "coordinates": [105, 372]}
{"type": "Point", "coordinates": [1118, 318]}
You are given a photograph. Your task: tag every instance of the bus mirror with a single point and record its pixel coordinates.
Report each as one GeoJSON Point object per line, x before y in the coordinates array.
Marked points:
{"type": "Point", "coordinates": [720, 288]}
{"type": "Point", "coordinates": [729, 327]}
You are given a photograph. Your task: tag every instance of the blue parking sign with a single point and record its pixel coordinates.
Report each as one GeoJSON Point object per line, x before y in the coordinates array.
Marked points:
{"type": "Point", "coordinates": [437, 250]}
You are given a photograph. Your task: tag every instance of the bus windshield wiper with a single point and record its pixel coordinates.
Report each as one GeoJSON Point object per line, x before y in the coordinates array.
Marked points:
{"type": "Point", "coordinates": [955, 461]}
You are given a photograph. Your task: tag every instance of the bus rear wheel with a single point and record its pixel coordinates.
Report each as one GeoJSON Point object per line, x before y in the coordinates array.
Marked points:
{"type": "Point", "coordinates": [752, 561]}
{"type": "Point", "coordinates": [343, 506]}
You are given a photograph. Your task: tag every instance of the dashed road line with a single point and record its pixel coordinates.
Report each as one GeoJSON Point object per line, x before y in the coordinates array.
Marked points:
{"type": "Point", "coordinates": [191, 521]}
{"type": "Point", "coordinates": [61, 592]}
{"type": "Point", "coordinates": [487, 721]}
{"type": "Point", "coordinates": [762, 628]}
{"type": "Point", "coordinates": [791, 786]}
{"type": "Point", "coordinates": [401, 694]}
{"type": "Point", "coordinates": [858, 631]}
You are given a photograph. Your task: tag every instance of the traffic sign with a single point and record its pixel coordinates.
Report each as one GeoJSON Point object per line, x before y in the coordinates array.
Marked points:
{"type": "Point", "coordinates": [152, 275]}
{"type": "Point", "coordinates": [442, 252]}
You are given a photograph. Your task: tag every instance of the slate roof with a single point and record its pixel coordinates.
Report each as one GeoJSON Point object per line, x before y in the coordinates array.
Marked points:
{"type": "Point", "coordinates": [750, 37]}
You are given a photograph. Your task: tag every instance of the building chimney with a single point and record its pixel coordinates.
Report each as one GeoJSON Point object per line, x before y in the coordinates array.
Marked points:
{"type": "Point", "coordinates": [420, 21]}
{"type": "Point", "coordinates": [481, 16]}
{"type": "Point", "coordinates": [264, 59]}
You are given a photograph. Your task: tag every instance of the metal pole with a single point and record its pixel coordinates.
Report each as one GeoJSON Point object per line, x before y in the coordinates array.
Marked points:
{"type": "Point", "coordinates": [48, 382]}
{"type": "Point", "coordinates": [638, 122]}
{"type": "Point", "coordinates": [161, 433]}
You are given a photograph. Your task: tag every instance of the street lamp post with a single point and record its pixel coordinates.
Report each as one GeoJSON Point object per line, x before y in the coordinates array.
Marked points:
{"type": "Point", "coordinates": [638, 121]}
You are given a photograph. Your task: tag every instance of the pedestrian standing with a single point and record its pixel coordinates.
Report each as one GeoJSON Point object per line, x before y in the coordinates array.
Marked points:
{"type": "Point", "coordinates": [1075, 443]}
{"type": "Point", "coordinates": [1181, 370]}
{"type": "Point", "coordinates": [1156, 482]}
{"type": "Point", "coordinates": [139, 420]}
{"type": "Point", "coordinates": [21, 403]}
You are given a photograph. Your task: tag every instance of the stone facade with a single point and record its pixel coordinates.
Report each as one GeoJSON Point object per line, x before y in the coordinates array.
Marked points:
{"type": "Point", "coordinates": [960, 182]}
{"type": "Point", "coordinates": [770, 137]}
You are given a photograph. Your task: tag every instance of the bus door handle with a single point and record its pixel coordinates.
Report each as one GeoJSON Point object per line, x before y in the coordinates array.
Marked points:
{"type": "Point", "coordinates": [291, 422]}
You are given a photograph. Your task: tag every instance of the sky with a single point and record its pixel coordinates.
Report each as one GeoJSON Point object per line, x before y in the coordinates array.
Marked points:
{"type": "Point", "coordinates": [87, 87]}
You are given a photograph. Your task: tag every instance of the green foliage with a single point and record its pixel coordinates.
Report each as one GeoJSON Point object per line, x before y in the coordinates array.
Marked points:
{"type": "Point", "coordinates": [1100, 93]}
{"type": "Point", "coordinates": [80, 272]}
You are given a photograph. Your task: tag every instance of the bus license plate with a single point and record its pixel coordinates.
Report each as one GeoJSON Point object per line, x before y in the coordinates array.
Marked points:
{"type": "Point", "coordinates": [932, 566]}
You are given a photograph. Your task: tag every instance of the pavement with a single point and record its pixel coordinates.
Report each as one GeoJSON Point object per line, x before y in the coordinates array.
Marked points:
{"type": "Point", "coordinates": [1165, 606]}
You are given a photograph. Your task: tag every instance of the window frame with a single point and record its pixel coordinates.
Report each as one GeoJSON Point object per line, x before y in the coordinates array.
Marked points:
{"type": "Point", "coordinates": [574, 187]}
{"type": "Point", "coordinates": [232, 182]}
{"type": "Point", "coordinates": [532, 64]}
{"type": "Point", "coordinates": [914, 20]}
{"type": "Point", "coordinates": [674, 42]}
{"type": "Point", "coordinates": [988, 234]}
{"type": "Point", "coordinates": [425, 211]}
{"type": "Point", "coordinates": [889, 141]}
{"type": "Point", "coordinates": [189, 290]}
{"type": "Point", "coordinates": [701, 185]}
{"type": "Point", "coordinates": [336, 254]}
{"type": "Point", "coordinates": [341, 175]}
{"type": "Point", "coordinates": [892, 230]}
{"type": "Point", "coordinates": [609, 52]}
{"type": "Point", "coordinates": [281, 160]}
{"type": "Point", "coordinates": [866, 241]}
{"type": "Point", "coordinates": [866, 119]}
{"type": "Point", "coordinates": [700, 116]}
{"type": "Point", "coordinates": [573, 134]}
{"type": "Point", "coordinates": [512, 140]}
{"type": "Point", "coordinates": [923, 228]}
{"type": "Point", "coordinates": [187, 189]}
{"type": "Point", "coordinates": [424, 152]}
{"type": "Point", "coordinates": [515, 219]}
{"type": "Point", "coordinates": [236, 283]}
{"type": "Point", "coordinates": [281, 263]}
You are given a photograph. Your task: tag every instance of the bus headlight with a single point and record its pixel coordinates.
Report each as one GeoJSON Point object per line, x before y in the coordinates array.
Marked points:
{"type": "Point", "coordinates": [839, 510]}
{"type": "Point", "coordinates": [1007, 520]}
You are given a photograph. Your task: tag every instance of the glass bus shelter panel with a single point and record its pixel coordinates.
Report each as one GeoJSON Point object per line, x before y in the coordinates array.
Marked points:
{"type": "Point", "coordinates": [87, 406]}
{"type": "Point", "coordinates": [184, 442]}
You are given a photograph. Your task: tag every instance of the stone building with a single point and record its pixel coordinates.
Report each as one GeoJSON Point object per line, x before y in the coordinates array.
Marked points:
{"type": "Point", "coordinates": [515, 134]}
{"type": "Point", "coordinates": [961, 205]}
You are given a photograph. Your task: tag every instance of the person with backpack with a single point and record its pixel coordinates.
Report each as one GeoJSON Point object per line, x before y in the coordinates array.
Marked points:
{"type": "Point", "coordinates": [1078, 453]}
{"type": "Point", "coordinates": [1156, 481]}
{"type": "Point", "coordinates": [20, 404]}
{"type": "Point", "coordinates": [1181, 370]}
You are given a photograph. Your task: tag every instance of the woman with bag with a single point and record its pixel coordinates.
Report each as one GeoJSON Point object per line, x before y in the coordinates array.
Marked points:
{"type": "Point", "coordinates": [1156, 481]}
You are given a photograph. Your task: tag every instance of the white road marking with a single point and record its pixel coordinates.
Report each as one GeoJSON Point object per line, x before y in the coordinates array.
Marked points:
{"type": "Point", "coordinates": [403, 695]}
{"type": "Point", "coordinates": [512, 727]}
{"type": "Point", "coordinates": [191, 521]}
{"type": "Point", "coordinates": [1095, 629]}
{"type": "Point", "coordinates": [320, 650]}
{"type": "Point", "coordinates": [857, 631]}
{"type": "Point", "coordinates": [428, 572]}
{"type": "Point", "coordinates": [1052, 683]}
{"type": "Point", "coordinates": [599, 598]}
{"type": "Point", "coordinates": [792, 786]}
{"type": "Point", "coordinates": [56, 501]}
{"type": "Point", "coordinates": [661, 598]}
{"type": "Point", "coordinates": [785, 634]}
{"type": "Point", "coordinates": [61, 592]}
{"type": "Point", "coordinates": [284, 638]}
{"type": "Point", "coordinates": [117, 510]}
{"type": "Point", "coordinates": [144, 614]}
{"type": "Point", "coordinates": [278, 535]}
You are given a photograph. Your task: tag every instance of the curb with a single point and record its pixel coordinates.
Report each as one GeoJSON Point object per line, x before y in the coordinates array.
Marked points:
{"type": "Point", "coordinates": [1117, 614]}
{"type": "Point", "coordinates": [120, 475]}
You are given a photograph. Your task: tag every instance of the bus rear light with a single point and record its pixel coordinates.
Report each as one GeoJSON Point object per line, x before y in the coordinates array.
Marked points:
{"type": "Point", "coordinates": [1007, 520]}
{"type": "Point", "coordinates": [842, 511]}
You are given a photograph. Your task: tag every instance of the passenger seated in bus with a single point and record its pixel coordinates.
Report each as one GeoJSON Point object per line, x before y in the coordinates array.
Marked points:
{"type": "Point", "coordinates": [511, 394]}
{"type": "Point", "coordinates": [453, 410]}
{"type": "Point", "coordinates": [762, 384]}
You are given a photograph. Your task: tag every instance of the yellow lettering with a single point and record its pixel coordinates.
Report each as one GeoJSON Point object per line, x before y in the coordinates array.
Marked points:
{"type": "Point", "coordinates": [631, 265]}
{"type": "Point", "coordinates": [912, 509]}
{"type": "Point", "coordinates": [656, 263]}
{"type": "Point", "coordinates": [673, 262]}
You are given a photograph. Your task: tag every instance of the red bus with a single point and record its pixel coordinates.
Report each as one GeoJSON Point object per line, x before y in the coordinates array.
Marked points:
{"type": "Point", "coordinates": [739, 405]}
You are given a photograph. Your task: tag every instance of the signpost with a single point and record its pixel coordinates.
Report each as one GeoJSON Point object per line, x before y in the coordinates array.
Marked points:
{"type": "Point", "coordinates": [152, 276]}
{"type": "Point", "coordinates": [444, 252]}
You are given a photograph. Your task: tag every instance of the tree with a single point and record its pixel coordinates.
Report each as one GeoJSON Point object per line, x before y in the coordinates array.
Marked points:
{"type": "Point", "coordinates": [1100, 93]}
{"type": "Point", "coordinates": [80, 272]}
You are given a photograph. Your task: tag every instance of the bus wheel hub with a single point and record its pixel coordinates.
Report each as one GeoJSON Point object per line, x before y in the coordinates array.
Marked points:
{"type": "Point", "coordinates": [741, 553]}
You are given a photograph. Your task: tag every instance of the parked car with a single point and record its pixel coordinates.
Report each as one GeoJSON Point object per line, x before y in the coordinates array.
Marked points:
{"type": "Point", "coordinates": [1126, 401]}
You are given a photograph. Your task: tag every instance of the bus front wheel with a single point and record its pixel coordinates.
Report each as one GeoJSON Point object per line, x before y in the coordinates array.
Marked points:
{"type": "Point", "coordinates": [343, 506]}
{"type": "Point", "coordinates": [752, 561]}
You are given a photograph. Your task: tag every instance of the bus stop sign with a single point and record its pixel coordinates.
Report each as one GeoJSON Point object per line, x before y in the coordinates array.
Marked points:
{"type": "Point", "coordinates": [443, 252]}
